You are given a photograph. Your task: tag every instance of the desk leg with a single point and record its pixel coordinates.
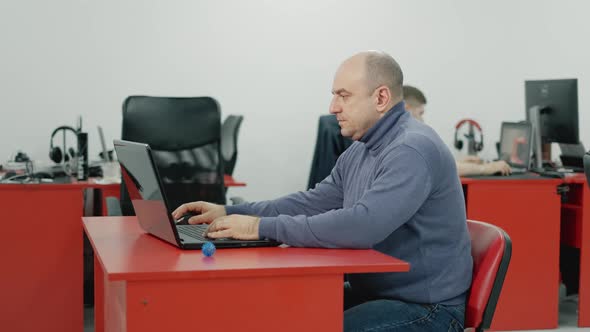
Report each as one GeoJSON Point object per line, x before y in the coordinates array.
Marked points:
{"type": "Point", "coordinates": [98, 296]}
{"type": "Point", "coordinates": [584, 290]}
{"type": "Point", "coordinates": [108, 191]}
{"type": "Point", "coordinates": [286, 303]}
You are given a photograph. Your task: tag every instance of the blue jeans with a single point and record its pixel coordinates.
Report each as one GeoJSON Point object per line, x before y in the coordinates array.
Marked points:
{"type": "Point", "coordinates": [392, 315]}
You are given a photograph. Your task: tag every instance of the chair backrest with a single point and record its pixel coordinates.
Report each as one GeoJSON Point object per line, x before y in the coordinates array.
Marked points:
{"type": "Point", "coordinates": [330, 144]}
{"type": "Point", "coordinates": [587, 167]}
{"type": "Point", "coordinates": [185, 137]}
{"type": "Point", "coordinates": [491, 249]}
{"type": "Point", "coordinates": [229, 142]}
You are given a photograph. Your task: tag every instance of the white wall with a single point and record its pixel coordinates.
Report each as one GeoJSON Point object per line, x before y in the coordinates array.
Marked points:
{"type": "Point", "coordinates": [273, 62]}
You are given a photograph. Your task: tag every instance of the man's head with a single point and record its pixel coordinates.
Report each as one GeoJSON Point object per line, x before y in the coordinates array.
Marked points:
{"type": "Point", "coordinates": [366, 86]}
{"type": "Point", "coordinates": [415, 101]}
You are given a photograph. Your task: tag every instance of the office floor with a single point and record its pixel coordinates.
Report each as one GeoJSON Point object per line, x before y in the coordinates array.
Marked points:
{"type": "Point", "coordinates": [568, 317]}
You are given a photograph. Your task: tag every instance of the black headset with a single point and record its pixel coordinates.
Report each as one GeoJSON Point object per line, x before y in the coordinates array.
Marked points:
{"type": "Point", "coordinates": [55, 153]}
{"type": "Point", "coordinates": [478, 146]}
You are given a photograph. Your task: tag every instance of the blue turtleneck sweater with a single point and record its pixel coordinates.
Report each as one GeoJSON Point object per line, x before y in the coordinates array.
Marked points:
{"type": "Point", "coordinates": [396, 191]}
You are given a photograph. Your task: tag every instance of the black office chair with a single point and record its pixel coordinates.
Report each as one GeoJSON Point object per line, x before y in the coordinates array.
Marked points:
{"type": "Point", "coordinates": [587, 167]}
{"type": "Point", "coordinates": [185, 137]}
{"type": "Point", "coordinates": [330, 144]}
{"type": "Point", "coordinates": [229, 141]}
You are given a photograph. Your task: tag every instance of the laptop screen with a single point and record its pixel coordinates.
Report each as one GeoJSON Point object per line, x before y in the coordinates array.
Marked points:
{"type": "Point", "coordinates": [515, 143]}
{"type": "Point", "coordinates": [144, 189]}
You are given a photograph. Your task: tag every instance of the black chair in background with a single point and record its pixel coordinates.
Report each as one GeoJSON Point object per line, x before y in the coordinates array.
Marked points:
{"type": "Point", "coordinates": [587, 167]}
{"type": "Point", "coordinates": [185, 137]}
{"type": "Point", "coordinates": [229, 142]}
{"type": "Point", "coordinates": [329, 146]}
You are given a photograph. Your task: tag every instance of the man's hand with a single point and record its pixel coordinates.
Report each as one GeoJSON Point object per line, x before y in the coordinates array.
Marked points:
{"type": "Point", "coordinates": [472, 159]}
{"type": "Point", "coordinates": [235, 226]}
{"type": "Point", "coordinates": [207, 212]}
{"type": "Point", "coordinates": [497, 166]}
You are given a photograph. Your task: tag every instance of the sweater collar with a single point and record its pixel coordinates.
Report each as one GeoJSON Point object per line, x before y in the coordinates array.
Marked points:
{"type": "Point", "coordinates": [384, 128]}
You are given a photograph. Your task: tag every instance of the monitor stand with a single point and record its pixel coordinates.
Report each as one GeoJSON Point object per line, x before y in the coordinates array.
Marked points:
{"type": "Point", "coordinates": [538, 156]}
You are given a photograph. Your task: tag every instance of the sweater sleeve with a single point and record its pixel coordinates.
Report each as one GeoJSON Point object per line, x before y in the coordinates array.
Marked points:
{"type": "Point", "coordinates": [327, 195]}
{"type": "Point", "coordinates": [402, 184]}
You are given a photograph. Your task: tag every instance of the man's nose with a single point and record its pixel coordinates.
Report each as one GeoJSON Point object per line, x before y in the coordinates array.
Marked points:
{"type": "Point", "coordinates": [334, 107]}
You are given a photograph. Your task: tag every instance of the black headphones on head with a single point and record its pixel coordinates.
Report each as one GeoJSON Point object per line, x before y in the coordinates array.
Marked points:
{"type": "Point", "coordinates": [459, 143]}
{"type": "Point", "coordinates": [55, 153]}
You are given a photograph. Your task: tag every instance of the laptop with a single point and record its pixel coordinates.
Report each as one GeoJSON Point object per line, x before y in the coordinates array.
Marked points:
{"type": "Point", "coordinates": [151, 206]}
{"type": "Point", "coordinates": [515, 145]}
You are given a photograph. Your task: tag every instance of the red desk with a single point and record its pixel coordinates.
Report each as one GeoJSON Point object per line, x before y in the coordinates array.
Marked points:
{"type": "Point", "coordinates": [144, 284]}
{"type": "Point", "coordinates": [41, 255]}
{"type": "Point", "coordinates": [529, 211]}
{"type": "Point", "coordinates": [575, 218]}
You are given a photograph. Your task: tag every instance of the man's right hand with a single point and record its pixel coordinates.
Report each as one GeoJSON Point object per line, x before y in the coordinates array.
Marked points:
{"type": "Point", "coordinates": [497, 166]}
{"type": "Point", "coordinates": [207, 212]}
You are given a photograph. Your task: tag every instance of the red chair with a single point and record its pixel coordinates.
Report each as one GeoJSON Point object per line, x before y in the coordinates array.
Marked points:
{"type": "Point", "coordinates": [491, 249]}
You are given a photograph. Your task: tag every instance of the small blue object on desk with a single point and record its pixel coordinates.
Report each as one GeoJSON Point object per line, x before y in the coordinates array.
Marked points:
{"type": "Point", "coordinates": [208, 249]}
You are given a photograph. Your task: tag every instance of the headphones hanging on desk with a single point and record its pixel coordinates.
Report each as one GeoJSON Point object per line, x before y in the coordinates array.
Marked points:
{"type": "Point", "coordinates": [478, 146]}
{"type": "Point", "coordinates": [55, 152]}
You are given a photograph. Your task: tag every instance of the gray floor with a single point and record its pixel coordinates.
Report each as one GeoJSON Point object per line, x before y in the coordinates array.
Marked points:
{"type": "Point", "coordinates": [88, 319]}
{"type": "Point", "coordinates": [568, 313]}
{"type": "Point", "coordinates": [568, 317]}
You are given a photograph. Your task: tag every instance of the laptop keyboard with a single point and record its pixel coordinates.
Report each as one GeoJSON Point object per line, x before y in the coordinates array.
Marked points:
{"type": "Point", "coordinates": [195, 231]}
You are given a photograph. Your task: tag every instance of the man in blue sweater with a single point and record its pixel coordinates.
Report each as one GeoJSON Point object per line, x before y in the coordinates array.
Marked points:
{"type": "Point", "coordinates": [395, 190]}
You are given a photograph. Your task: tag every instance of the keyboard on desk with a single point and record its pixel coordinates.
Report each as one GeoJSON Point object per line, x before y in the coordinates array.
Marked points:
{"type": "Point", "coordinates": [197, 232]}
{"type": "Point", "coordinates": [194, 231]}
{"type": "Point", "coordinates": [518, 170]}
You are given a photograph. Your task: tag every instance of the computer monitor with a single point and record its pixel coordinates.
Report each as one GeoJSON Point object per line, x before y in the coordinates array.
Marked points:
{"type": "Point", "coordinates": [552, 109]}
{"type": "Point", "coordinates": [515, 144]}
{"type": "Point", "coordinates": [558, 105]}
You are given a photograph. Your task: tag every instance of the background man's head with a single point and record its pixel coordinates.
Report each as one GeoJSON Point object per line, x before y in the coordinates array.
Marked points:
{"type": "Point", "coordinates": [415, 101]}
{"type": "Point", "coordinates": [365, 87]}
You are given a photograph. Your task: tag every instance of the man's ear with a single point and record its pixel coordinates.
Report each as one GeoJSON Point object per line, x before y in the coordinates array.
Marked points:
{"type": "Point", "coordinates": [383, 96]}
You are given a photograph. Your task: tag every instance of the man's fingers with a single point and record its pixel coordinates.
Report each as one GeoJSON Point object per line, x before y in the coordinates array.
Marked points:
{"type": "Point", "coordinates": [186, 207]}
{"type": "Point", "coordinates": [179, 211]}
{"type": "Point", "coordinates": [217, 225]}
{"type": "Point", "coordinates": [204, 218]}
{"type": "Point", "coordinates": [220, 234]}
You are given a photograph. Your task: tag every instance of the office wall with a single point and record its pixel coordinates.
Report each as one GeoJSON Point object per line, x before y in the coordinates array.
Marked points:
{"type": "Point", "coordinates": [273, 62]}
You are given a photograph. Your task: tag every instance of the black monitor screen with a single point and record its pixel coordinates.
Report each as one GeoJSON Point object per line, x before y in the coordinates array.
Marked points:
{"type": "Point", "coordinates": [558, 102]}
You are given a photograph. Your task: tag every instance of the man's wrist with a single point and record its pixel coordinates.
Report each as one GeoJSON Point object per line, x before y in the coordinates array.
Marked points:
{"type": "Point", "coordinates": [257, 227]}
{"type": "Point", "coordinates": [483, 169]}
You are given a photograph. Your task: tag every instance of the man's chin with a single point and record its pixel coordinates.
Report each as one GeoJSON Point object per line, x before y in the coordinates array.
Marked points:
{"type": "Point", "coordinates": [345, 133]}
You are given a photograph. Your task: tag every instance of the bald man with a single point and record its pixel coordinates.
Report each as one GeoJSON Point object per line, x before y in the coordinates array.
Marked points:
{"type": "Point", "coordinates": [415, 104]}
{"type": "Point", "coordinates": [395, 190]}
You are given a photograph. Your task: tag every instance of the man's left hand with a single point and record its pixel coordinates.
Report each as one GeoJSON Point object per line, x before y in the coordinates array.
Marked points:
{"type": "Point", "coordinates": [235, 226]}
